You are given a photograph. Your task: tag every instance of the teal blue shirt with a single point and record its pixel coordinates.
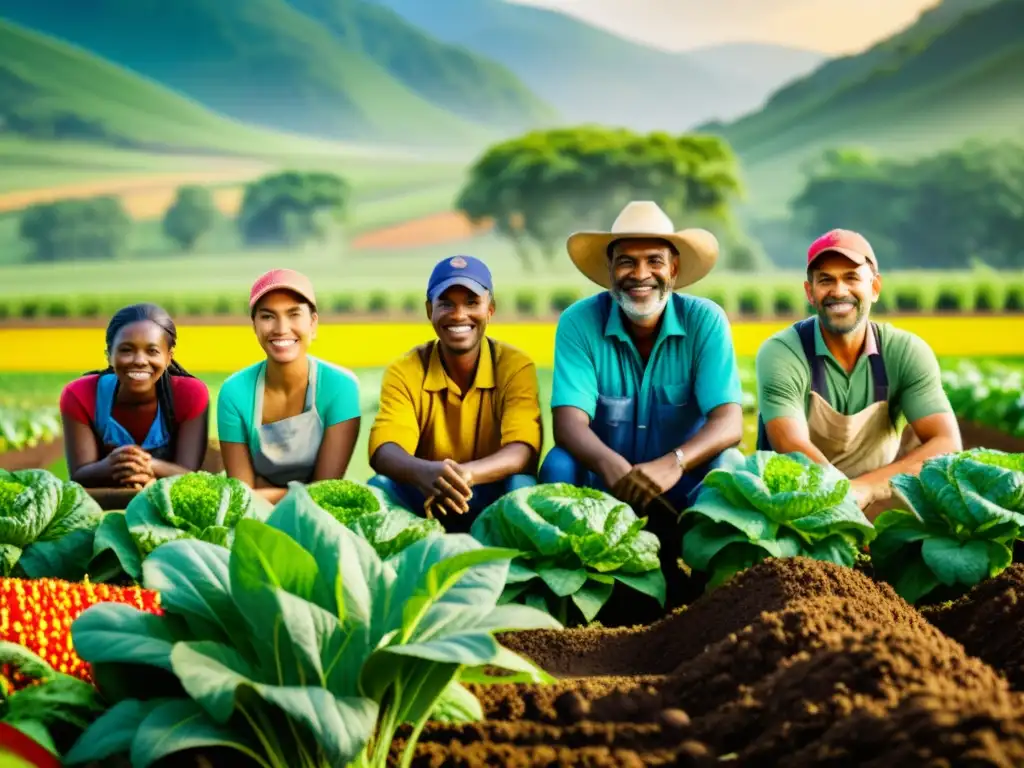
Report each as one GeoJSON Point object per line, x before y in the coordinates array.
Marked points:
{"type": "Point", "coordinates": [643, 412]}
{"type": "Point", "coordinates": [337, 400]}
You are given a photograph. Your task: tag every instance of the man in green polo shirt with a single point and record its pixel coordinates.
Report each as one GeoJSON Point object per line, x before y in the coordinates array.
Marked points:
{"type": "Point", "coordinates": [835, 386]}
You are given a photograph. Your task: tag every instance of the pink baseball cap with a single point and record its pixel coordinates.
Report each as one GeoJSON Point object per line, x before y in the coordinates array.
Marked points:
{"type": "Point", "coordinates": [281, 280]}
{"type": "Point", "coordinates": [850, 244]}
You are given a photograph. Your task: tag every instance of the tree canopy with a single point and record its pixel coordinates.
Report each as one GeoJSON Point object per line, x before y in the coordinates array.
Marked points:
{"type": "Point", "coordinates": [292, 207]}
{"type": "Point", "coordinates": [941, 212]}
{"type": "Point", "coordinates": [540, 187]}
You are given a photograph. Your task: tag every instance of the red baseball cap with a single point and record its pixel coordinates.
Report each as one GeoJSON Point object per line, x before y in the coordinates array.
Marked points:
{"type": "Point", "coordinates": [850, 244]}
{"type": "Point", "coordinates": [281, 280]}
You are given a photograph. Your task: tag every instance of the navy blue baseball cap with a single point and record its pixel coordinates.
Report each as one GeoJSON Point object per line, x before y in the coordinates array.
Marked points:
{"type": "Point", "coordinates": [467, 271]}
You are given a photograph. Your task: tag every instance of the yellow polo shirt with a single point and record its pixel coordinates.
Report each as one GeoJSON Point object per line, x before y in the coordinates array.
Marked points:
{"type": "Point", "coordinates": [423, 411]}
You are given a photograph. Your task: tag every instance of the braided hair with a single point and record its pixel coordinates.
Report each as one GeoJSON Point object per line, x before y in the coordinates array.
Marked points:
{"type": "Point", "coordinates": [155, 314]}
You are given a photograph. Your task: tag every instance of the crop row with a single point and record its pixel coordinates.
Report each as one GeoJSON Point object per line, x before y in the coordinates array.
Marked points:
{"type": "Point", "coordinates": [748, 297]}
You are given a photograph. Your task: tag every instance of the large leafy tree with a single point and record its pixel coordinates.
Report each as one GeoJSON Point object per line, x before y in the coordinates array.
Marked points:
{"type": "Point", "coordinates": [292, 207]}
{"type": "Point", "coordinates": [539, 187]}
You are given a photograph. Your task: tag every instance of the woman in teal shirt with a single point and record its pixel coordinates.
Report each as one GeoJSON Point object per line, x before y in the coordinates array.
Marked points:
{"type": "Point", "coordinates": [291, 417]}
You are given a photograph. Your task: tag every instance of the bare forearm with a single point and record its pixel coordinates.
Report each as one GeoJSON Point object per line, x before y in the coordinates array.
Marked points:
{"type": "Point", "coordinates": [168, 468]}
{"type": "Point", "coordinates": [505, 462]}
{"type": "Point", "coordinates": [911, 463]}
{"type": "Point", "coordinates": [586, 447]}
{"type": "Point", "coordinates": [396, 463]}
{"type": "Point", "coordinates": [97, 474]}
{"type": "Point", "coordinates": [723, 429]}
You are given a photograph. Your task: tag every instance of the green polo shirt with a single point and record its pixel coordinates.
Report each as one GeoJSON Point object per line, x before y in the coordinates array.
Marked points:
{"type": "Point", "coordinates": [915, 382]}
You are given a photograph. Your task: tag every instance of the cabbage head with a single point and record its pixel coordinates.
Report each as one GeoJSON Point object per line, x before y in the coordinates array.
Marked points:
{"type": "Point", "coordinates": [46, 526]}
{"type": "Point", "coordinates": [197, 505]}
{"type": "Point", "coordinates": [575, 544]}
{"type": "Point", "coordinates": [368, 512]}
{"type": "Point", "coordinates": [772, 505]}
{"type": "Point", "coordinates": [953, 525]}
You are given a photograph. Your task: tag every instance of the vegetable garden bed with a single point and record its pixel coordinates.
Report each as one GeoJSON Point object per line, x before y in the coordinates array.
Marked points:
{"type": "Point", "coordinates": [334, 627]}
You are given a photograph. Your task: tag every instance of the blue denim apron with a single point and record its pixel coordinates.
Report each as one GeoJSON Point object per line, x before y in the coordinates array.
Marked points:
{"type": "Point", "coordinates": [288, 448]}
{"type": "Point", "coordinates": [113, 435]}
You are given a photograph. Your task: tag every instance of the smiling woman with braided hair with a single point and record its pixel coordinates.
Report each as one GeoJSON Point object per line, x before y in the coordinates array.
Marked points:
{"type": "Point", "coordinates": [143, 417]}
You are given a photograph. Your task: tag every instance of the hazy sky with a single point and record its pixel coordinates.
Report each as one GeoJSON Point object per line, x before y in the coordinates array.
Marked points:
{"type": "Point", "coordinates": [830, 26]}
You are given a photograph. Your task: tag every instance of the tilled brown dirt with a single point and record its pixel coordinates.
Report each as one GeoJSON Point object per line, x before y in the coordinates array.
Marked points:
{"type": "Point", "coordinates": [794, 663]}
{"type": "Point", "coordinates": [989, 622]}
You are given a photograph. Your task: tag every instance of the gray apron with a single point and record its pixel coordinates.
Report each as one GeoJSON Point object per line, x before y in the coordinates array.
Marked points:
{"type": "Point", "coordinates": [288, 448]}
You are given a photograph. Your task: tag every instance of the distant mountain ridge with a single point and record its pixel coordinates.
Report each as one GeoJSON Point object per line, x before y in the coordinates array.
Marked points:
{"type": "Point", "coordinates": [592, 75]}
{"type": "Point", "coordinates": [267, 62]}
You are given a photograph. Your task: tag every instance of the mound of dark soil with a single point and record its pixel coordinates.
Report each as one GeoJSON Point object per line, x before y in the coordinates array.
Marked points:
{"type": "Point", "coordinates": [535, 744]}
{"type": "Point", "coordinates": [931, 729]}
{"type": "Point", "coordinates": [989, 622]}
{"type": "Point", "coordinates": [715, 677]}
{"type": "Point", "coordinates": [563, 702]}
{"type": "Point", "coordinates": [772, 586]}
{"type": "Point", "coordinates": [810, 691]}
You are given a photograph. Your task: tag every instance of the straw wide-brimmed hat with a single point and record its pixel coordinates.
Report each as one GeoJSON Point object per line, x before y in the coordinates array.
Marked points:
{"type": "Point", "coordinates": [698, 248]}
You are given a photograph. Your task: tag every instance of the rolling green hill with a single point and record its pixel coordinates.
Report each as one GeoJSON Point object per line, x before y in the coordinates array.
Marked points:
{"type": "Point", "coordinates": [462, 82]}
{"type": "Point", "coordinates": [921, 70]}
{"type": "Point", "coordinates": [51, 90]}
{"type": "Point", "coordinates": [262, 62]}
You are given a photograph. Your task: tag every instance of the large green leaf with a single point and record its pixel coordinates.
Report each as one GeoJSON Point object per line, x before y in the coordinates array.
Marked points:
{"type": "Point", "coordinates": [955, 562]}
{"type": "Point", "coordinates": [113, 537]}
{"type": "Point", "coordinates": [114, 632]}
{"type": "Point", "coordinates": [213, 673]}
{"type": "Point", "coordinates": [751, 522]}
{"type": "Point", "coordinates": [592, 596]}
{"type": "Point", "coordinates": [444, 584]}
{"type": "Point", "coordinates": [112, 733]}
{"type": "Point", "coordinates": [193, 580]}
{"type": "Point", "coordinates": [706, 539]}
{"type": "Point", "coordinates": [179, 725]}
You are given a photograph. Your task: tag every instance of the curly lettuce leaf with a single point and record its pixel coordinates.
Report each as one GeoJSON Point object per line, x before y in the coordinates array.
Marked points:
{"type": "Point", "coordinates": [961, 515]}
{"type": "Point", "coordinates": [46, 525]}
{"type": "Point", "coordinates": [772, 505]}
{"type": "Point", "coordinates": [368, 512]}
{"type": "Point", "coordinates": [576, 541]}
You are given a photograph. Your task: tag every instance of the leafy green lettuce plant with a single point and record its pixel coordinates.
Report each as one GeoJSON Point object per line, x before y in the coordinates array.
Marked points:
{"type": "Point", "coordinates": [198, 505]}
{"type": "Point", "coordinates": [368, 512]}
{"type": "Point", "coordinates": [298, 647]}
{"type": "Point", "coordinates": [47, 526]}
{"type": "Point", "coordinates": [959, 519]}
{"type": "Point", "coordinates": [574, 544]}
{"type": "Point", "coordinates": [772, 505]}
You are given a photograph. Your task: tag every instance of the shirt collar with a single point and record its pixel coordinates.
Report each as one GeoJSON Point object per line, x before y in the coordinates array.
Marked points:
{"type": "Point", "coordinates": [670, 324]}
{"type": "Point", "coordinates": [822, 350]}
{"type": "Point", "coordinates": [437, 378]}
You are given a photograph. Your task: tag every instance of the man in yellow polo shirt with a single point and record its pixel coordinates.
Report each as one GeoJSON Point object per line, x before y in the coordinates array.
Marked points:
{"type": "Point", "coordinates": [459, 423]}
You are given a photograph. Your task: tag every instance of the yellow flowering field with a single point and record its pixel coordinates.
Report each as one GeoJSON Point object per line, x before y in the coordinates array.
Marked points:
{"type": "Point", "coordinates": [226, 348]}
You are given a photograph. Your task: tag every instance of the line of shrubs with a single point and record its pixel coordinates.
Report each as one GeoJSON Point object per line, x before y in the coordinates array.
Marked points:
{"type": "Point", "coordinates": [739, 298]}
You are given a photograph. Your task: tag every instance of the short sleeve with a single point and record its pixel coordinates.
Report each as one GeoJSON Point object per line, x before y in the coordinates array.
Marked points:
{"type": "Point", "coordinates": [231, 422]}
{"type": "Point", "coordinates": [342, 395]}
{"type": "Point", "coordinates": [396, 420]}
{"type": "Point", "coordinates": [717, 379]}
{"type": "Point", "coordinates": [520, 415]}
{"type": "Point", "coordinates": [782, 382]}
{"type": "Point", "coordinates": [191, 398]}
{"type": "Point", "coordinates": [78, 400]}
{"type": "Point", "coordinates": [921, 392]}
{"type": "Point", "coordinates": [574, 380]}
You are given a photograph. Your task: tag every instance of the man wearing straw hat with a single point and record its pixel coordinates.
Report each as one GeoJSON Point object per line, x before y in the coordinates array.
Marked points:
{"type": "Point", "coordinates": [646, 392]}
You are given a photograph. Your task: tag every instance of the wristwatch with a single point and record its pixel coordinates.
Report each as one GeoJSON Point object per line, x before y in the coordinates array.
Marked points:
{"type": "Point", "coordinates": [680, 458]}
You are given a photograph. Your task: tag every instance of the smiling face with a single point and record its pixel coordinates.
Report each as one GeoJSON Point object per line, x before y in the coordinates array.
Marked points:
{"type": "Point", "coordinates": [139, 355]}
{"type": "Point", "coordinates": [842, 292]}
{"type": "Point", "coordinates": [285, 324]}
{"type": "Point", "coordinates": [643, 274]}
{"type": "Point", "coordinates": [460, 318]}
